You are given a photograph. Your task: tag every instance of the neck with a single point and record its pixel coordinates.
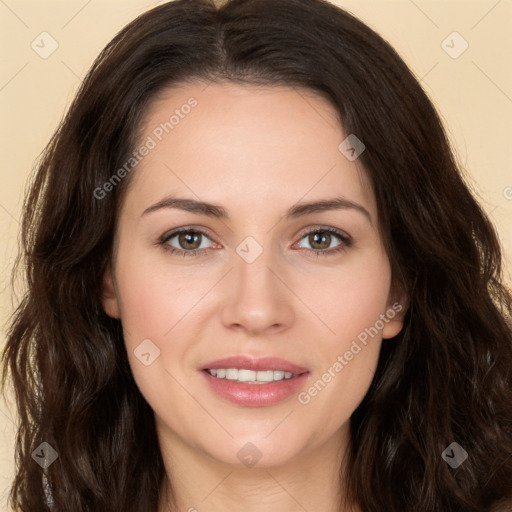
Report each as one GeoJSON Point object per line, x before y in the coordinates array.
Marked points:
{"type": "Point", "coordinates": [199, 483]}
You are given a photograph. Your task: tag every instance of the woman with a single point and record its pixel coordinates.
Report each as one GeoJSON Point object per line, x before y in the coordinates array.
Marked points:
{"type": "Point", "coordinates": [252, 283]}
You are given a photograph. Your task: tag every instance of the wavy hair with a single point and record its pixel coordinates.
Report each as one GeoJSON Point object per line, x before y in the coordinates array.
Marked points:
{"type": "Point", "coordinates": [447, 377]}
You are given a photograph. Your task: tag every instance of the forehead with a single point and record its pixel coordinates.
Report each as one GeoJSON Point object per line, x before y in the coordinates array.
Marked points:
{"type": "Point", "coordinates": [245, 143]}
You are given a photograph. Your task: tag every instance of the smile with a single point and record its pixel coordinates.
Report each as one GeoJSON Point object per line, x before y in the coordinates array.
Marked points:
{"type": "Point", "coordinates": [250, 376]}
{"type": "Point", "coordinates": [254, 382]}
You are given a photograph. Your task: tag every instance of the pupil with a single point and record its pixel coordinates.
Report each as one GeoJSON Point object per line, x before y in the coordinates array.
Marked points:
{"type": "Point", "coordinates": [189, 240]}
{"type": "Point", "coordinates": [317, 239]}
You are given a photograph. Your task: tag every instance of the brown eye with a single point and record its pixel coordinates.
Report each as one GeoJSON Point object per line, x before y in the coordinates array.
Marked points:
{"type": "Point", "coordinates": [324, 240]}
{"type": "Point", "coordinates": [186, 241]}
{"type": "Point", "coordinates": [320, 240]}
{"type": "Point", "coordinates": [189, 240]}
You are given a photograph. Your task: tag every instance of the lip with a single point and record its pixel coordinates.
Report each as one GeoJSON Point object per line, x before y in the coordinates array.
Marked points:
{"type": "Point", "coordinates": [256, 364]}
{"type": "Point", "coordinates": [255, 395]}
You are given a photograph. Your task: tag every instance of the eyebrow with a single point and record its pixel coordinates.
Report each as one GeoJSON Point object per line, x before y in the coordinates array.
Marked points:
{"type": "Point", "coordinates": [217, 211]}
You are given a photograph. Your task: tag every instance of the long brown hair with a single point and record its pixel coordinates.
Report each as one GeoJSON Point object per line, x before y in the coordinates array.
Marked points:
{"type": "Point", "coordinates": [447, 377]}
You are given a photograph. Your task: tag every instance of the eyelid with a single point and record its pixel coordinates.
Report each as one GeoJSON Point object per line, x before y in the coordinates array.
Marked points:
{"type": "Point", "coordinates": [346, 239]}
{"type": "Point", "coordinates": [164, 239]}
{"type": "Point", "coordinates": [313, 229]}
{"type": "Point", "coordinates": [186, 229]}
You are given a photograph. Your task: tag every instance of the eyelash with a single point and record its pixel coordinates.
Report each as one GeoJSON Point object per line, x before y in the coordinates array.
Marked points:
{"type": "Point", "coordinates": [346, 242]}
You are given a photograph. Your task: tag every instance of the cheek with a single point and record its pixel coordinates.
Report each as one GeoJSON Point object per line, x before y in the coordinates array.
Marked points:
{"type": "Point", "coordinates": [351, 300]}
{"type": "Point", "coordinates": [158, 306]}
{"type": "Point", "coordinates": [168, 306]}
{"type": "Point", "coordinates": [351, 306]}
{"type": "Point", "coordinates": [146, 310]}
{"type": "Point", "coordinates": [155, 300]}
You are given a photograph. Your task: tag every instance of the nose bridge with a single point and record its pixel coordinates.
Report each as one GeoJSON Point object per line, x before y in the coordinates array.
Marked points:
{"type": "Point", "coordinates": [253, 276]}
{"type": "Point", "coordinates": [258, 300]}
{"type": "Point", "coordinates": [253, 259]}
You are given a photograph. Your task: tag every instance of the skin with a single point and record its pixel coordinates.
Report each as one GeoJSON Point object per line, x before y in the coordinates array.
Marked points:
{"type": "Point", "coordinates": [256, 152]}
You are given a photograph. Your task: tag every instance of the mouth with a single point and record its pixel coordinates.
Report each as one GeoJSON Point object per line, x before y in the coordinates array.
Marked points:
{"type": "Point", "coordinates": [252, 382]}
{"type": "Point", "coordinates": [250, 376]}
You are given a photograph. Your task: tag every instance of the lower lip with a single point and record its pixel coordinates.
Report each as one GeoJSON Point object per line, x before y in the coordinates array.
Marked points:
{"type": "Point", "coordinates": [255, 395]}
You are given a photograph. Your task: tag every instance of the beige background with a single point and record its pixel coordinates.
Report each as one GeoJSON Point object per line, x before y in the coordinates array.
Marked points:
{"type": "Point", "coordinates": [473, 93]}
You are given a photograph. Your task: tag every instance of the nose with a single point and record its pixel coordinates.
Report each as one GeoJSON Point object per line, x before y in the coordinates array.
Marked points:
{"type": "Point", "coordinates": [258, 301]}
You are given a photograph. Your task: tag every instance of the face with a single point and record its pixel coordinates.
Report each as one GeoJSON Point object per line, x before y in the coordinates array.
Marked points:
{"type": "Point", "coordinates": [219, 257]}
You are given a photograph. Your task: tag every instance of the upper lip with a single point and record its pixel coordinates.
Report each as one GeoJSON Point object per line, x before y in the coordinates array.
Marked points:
{"type": "Point", "coordinates": [256, 364]}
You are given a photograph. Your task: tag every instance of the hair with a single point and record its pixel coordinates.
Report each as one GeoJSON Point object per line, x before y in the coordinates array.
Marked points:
{"type": "Point", "coordinates": [447, 377]}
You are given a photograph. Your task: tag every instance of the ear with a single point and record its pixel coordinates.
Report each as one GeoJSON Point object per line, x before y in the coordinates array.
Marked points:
{"type": "Point", "coordinates": [394, 315]}
{"type": "Point", "coordinates": [109, 295]}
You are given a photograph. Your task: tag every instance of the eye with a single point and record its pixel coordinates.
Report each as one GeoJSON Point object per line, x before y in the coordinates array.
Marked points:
{"type": "Point", "coordinates": [325, 241]}
{"type": "Point", "coordinates": [187, 241]}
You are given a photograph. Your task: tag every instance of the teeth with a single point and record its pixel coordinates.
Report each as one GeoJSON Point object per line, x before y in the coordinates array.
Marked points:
{"type": "Point", "coordinates": [265, 376]}
{"type": "Point", "coordinates": [250, 376]}
{"type": "Point", "coordinates": [246, 375]}
{"type": "Point", "coordinates": [231, 374]}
